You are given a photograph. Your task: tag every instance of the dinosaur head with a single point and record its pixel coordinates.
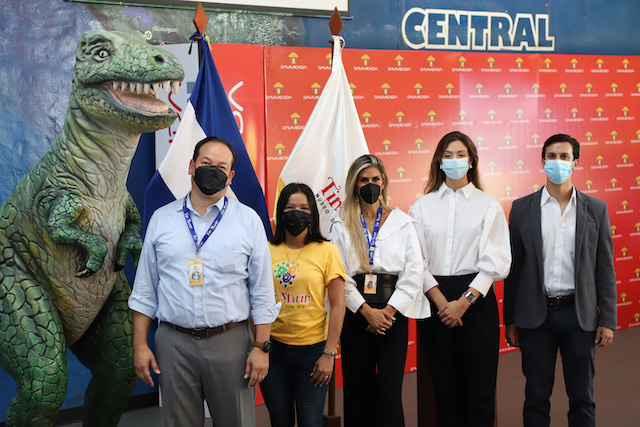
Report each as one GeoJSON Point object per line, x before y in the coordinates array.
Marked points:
{"type": "Point", "coordinates": [117, 78]}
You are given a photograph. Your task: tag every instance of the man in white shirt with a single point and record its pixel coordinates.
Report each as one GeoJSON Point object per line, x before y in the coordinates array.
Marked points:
{"type": "Point", "coordinates": [205, 268]}
{"type": "Point", "coordinates": [561, 292]}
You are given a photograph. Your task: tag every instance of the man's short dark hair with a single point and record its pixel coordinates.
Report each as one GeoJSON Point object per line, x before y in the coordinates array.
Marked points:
{"type": "Point", "coordinates": [196, 150]}
{"type": "Point", "coordinates": [562, 137]}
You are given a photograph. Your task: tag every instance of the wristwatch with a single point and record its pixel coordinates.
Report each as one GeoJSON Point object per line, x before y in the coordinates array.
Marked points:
{"type": "Point", "coordinates": [264, 345]}
{"type": "Point", "coordinates": [470, 297]}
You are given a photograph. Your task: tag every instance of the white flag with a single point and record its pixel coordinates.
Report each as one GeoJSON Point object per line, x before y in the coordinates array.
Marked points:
{"type": "Point", "coordinates": [331, 140]}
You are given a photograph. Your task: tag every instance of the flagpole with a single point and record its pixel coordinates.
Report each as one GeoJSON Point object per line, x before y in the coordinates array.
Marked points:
{"type": "Point", "coordinates": [200, 21]}
{"type": "Point", "coordinates": [331, 419]}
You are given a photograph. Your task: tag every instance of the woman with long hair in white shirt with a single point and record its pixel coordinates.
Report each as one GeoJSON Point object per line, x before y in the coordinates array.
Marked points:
{"type": "Point", "coordinates": [465, 243]}
{"type": "Point", "coordinates": [381, 255]}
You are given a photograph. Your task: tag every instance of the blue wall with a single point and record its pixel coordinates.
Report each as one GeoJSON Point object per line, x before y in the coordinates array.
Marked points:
{"type": "Point", "coordinates": [39, 39]}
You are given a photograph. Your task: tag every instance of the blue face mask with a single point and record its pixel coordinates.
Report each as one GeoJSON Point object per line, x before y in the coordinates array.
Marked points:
{"type": "Point", "coordinates": [455, 168]}
{"type": "Point", "coordinates": [558, 171]}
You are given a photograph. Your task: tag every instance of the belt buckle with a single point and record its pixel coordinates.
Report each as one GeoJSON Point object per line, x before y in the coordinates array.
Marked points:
{"type": "Point", "coordinates": [199, 333]}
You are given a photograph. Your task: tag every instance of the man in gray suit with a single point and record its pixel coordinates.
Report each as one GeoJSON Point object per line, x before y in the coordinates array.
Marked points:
{"type": "Point", "coordinates": [561, 292]}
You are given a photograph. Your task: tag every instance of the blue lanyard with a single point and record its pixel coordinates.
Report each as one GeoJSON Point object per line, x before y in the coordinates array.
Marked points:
{"type": "Point", "coordinates": [214, 225]}
{"type": "Point", "coordinates": [374, 234]}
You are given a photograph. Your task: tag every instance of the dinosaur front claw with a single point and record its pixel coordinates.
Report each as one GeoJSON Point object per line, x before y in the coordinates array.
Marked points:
{"type": "Point", "coordinates": [85, 273]}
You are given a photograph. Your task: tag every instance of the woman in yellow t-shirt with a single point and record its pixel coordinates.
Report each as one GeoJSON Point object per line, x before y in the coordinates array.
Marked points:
{"type": "Point", "coordinates": [306, 268]}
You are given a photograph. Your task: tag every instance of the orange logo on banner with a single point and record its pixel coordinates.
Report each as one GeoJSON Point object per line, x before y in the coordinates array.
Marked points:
{"type": "Point", "coordinates": [574, 112]}
{"type": "Point", "coordinates": [418, 88]}
{"type": "Point", "coordinates": [463, 115]}
{"type": "Point", "coordinates": [462, 61]}
{"type": "Point", "coordinates": [588, 135]}
{"type": "Point", "coordinates": [624, 251]}
{"type": "Point", "coordinates": [547, 113]}
{"type": "Point", "coordinates": [625, 63]}
{"type": "Point", "coordinates": [399, 116]}
{"type": "Point", "coordinates": [419, 195]}
{"type": "Point", "coordinates": [519, 113]}
{"type": "Point", "coordinates": [278, 87]}
{"type": "Point", "coordinates": [279, 149]}
{"type": "Point", "coordinates": [547, 63]}
{"type": "Point", "coordinates": [637, 317]}
{"type": "Point", "coordinates": [507, 140]}
{"type": "Point", "coordinates": [295, 118]}
{"type": "Point", "coordinates": [599, 159]}
{"type": "Point", "coordinates": [353, 88]}
{"type": "Point", "coordinates": [613, 182]}
{"type": "Point", "coordinates": [293, 58]}
{"type": "Point", "coordinates": [418, 143]}
{"type": "Point", "coordinates": [638, 183]}
{"type": "Point", "coordinates": [613, 229]}
{"type": "Point", "coordinates": [399, 60]}
{"type": "Point", "coordinates": [638, 226]}
{"type": "Point", "coordinates": [625, 158]}
{"type": "Point", "coordinates": [365, 59]}
{"type": "Point", "coordinates": [431, 61]}
{"type": "Point", "coordinates": [519, 62]}
{"type": "Point", "coordinates": [599, 62]}
{"type": "Point", "coordinates": [623, 297]}
{"type": "Point", "coordinates": [625, 111]}
{"type": "Point", "coordinates": [589, 86]}
{"type": "Point", "coordinates": [520, 163]}
{"type": "Point", "coordinates": [563, 88]}
{"type": "Point", "coordinates": [400, 171]}
{"type": "Point", "coordinates": [637, 272]}
{"type": "Point", "coordinates": [588, 184]}
{"type": "Point", "coordinates": [492, 166]}
{"type": "Point", "coordinates": [507, 88]}
{"type": "Point", "coordinates": [329, 58]}
{"type": "Point", "coordinates": [479, 88]}
{"type": "Point", "coordinates": [574, 63]}
{"type": "Point", "coordinates": [536, 138]}
{"type": "Point", "coordinates": [614, 87]}
{"type": "Point", "coordinates": [625, 204]}
{"type": "Point", "coordinates": [432, 115]}
{"type": "Point", "coordinates": [508, 190]}
{"type": "Point", "coordinates": [535, 187]}
{"type": "Point", "coordinates": [386, 144]}
{"type": "Point", "coordinates": [614, 134]}
{"type": "Point", "coordinates": [315, 88]}
{"type": "Point", "coordinates": [491, 61]}
{"type": "Point", "coordinates": [385, 88]}
{"type": "Point", "coordinates": [638, 87]}
{"type": "Point", "coordinates": [492, 114]}
{"type": "Point", "coordinates": [366, 116]}
{"type": "Point", "coordinates": [449, 88]}
{"type": "Point", "coordinates": [536, 87]}
{"type": "Point", "coordinates": [479, 141]}
{"type": "Point", "coordinates": [599, 111]}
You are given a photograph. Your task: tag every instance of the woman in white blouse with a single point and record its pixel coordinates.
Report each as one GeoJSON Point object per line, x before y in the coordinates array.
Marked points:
{"type": "Point", "coordinates": [381, 255]}
{"type": "Point", "coordinates": [465, 243]}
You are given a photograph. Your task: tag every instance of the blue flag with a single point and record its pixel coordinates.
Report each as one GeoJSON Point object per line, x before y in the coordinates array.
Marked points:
{"type": "Point", "coordinates": [207, 114]}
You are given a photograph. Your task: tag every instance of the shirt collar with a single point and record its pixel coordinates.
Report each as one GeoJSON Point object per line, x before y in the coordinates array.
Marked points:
{"type": "Point", "coordinates": [467, 190]}
{"type": "Point", "coordinates": [219, 204]}
{"type": "Point", "coordinates": [545, 196]}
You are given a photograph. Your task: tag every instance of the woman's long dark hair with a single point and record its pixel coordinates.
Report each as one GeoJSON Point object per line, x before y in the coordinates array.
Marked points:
{"type": "Point", "coordinates": [314, 234]}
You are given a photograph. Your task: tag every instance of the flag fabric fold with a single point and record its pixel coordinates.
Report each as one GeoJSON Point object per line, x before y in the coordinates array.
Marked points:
{"type": "Point", "coordinates": [331, 140]}
{"type": "Point", "coordinates": [207, 114]}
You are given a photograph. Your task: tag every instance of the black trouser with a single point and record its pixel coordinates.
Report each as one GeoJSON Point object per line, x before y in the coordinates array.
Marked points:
{"type": "Point", "coordinates": [372, 371]}
{"type": "Point", "coordinates": [463, 359]}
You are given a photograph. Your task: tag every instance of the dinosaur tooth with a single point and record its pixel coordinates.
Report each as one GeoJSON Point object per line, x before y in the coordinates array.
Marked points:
{"type": "Point", "coordinates": [123, 86]}
{"type": "Point", "coordinates": [166, 85]}
{"type": "Point", "coordinates": [138, 88]}
{"type": "Point", "coordinates": [115, 85]}
{"type": "Point", "coordinates": [147, 87]}
{"type": "Point", "coordinates": [155, 87]}
{"type": "Point", "coordinates": [174, 86]}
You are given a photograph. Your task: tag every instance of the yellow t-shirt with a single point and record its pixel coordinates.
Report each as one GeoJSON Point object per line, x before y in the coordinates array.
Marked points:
{"type": "Point", "coordinates": [300, 279]}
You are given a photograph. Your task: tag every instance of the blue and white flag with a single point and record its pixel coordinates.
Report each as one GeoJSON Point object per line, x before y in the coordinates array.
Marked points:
{"type": "Point", "coordinates": [207, 114]}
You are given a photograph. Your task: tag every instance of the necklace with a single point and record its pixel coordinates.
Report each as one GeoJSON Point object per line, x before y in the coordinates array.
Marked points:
{"type": "Point", "coordinates": [287, 252]}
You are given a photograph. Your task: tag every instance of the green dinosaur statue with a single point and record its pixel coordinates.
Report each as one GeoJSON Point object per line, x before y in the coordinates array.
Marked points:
{"type": "Point", "coordinates": [67, 229]}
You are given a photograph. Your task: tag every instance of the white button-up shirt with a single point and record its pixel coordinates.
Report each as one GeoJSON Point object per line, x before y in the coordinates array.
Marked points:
{"type": "Point", "coordinates": [558, 244]}
{"type": "Point", "coordinates": [462, 232]}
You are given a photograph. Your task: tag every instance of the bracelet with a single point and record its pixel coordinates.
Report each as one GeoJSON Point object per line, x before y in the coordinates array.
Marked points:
{"type": "Point", "coordinates": [329, 353]}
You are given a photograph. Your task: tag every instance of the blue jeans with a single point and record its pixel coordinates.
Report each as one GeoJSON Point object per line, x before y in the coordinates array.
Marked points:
{"type": "Point", "coordinates": [289, 382]}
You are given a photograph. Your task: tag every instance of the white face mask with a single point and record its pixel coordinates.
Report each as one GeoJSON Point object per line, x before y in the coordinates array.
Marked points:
{"type": "Point", "coordinates": [558, 171]}
{"type": "Point", "coordinates": [455, 168]}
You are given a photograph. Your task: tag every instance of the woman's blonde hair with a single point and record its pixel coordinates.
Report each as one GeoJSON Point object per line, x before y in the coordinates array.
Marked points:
{"type": "Point", "coordinates": [350, 212]}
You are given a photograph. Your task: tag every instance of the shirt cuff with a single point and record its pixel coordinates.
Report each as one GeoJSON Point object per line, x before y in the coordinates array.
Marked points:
{"type": "Point", "coordinates": [354, 302]}
{"type": "Point", "coordinates": [482, 283]}
{"type": "Point", "coordinates": [262, 316]}
{"type": "Point", "coordinates": [429, 282]}
{"type": "Point", "coordinates": [148, 310]}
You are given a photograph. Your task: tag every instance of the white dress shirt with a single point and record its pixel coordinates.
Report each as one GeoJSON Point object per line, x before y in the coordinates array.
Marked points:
{"type": "Point", "coordinates": [397, 252]}
{"type": "Point", "coordinates": [238, 282]}
{"type": "Point", "coordinates": [558, 244]}
{"type": "Point", "coordinates": [462, 232]}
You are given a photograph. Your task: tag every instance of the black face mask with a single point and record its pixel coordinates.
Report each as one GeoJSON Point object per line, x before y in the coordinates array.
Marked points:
{"type": "Point", "coordinates": [296, 221]}
{"type": "Point", "coordinates": [210, 179]}
{"type": "Point", "coordinates": [370, 193]}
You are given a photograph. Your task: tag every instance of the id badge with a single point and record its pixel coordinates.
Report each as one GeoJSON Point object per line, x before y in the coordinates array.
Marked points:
{"type": "Point", "coordinates": [370, 284]}
{"type": "Point", "coordinates": [195, 273]}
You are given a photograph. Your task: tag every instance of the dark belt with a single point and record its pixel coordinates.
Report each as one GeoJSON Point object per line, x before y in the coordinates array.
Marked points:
{"type": "Point", "coordinates": [201, 333]}
{"type": "Point", "coordinates": [560, 300]}
{"type": "Point", "coordinates": [386, 284]}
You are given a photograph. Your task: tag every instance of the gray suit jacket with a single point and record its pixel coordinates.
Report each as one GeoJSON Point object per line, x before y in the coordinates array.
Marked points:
{"type": "Point", "coordinates": [595, 280]}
